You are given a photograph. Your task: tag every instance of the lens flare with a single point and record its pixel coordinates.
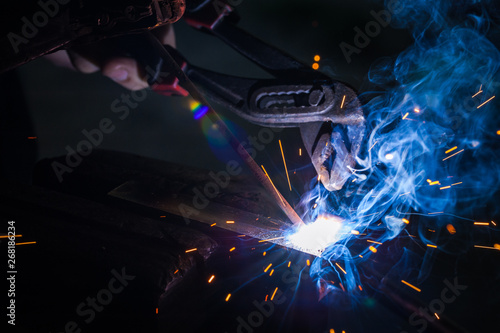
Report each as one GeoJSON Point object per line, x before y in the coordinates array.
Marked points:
{"type": "Point", "coordinates": [198, 109]}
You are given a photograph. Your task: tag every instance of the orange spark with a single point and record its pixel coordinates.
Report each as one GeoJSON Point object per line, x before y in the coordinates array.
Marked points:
{"type": "Point", "coordinates": [264, 253]}
{"type": "Point", "coordinates": [267, 175]}
{"type": "Point", "coordinates": [232, 249]}
{"type": "Point", "coordinates": [289, 263]}
{"type": "Point", "coordinates": [444, 187]}
{"type": "Point", "coordinates": [493, 222]}
{"type": "Point", "coordinates": [342, 104]}
{"type": "Point", "coordinates": [411, 286]}
{"type": "Point", "coordinates": [436, 315]}
{"type": "Point", "coordinates": [361, 289]}
{"type": "Point", "coordinates": [176, 271]}
{"type": "Point", "coordinates": [213, 224]}
{"type": "Point", "coordinates": [340, 268]}
{"type": "Point", "coordinates": [267, 268]}
{"type": "Point", "coordinates": [272, 271]}
{"type": "Point", "coordinates": [156, 310]}
{"type": "Point", "coordinates": [374, 250]}
{"type": "Point", "coordinates": [417, 110]}
{"type": "Point", "coordinates": [229, 222]}
{"type": "Point", "coordinates": [406, 221]}
{"type": "Point", "coordinates": [495, 247]}
{"type": "Point", "coordinates": [31, 137]}
{"type": "Point", "coordinates": [308, 262]}
{"type": "Point", "coordinates": [451, 229]}
{"type": "Point", "coordinates": [315, 66]}
{"type": "Point", "coordinates": [486, 102]}
{"type": "Point", "coordinates": [450, 150]}
{"type": "Point", "coordinates": [480, 91]}
{"type": "Point", "coordinates": [317, 57]}
{"type": "Point", "coordinates": [300, 151]}
{"type": "Point", "coordinates": [284, 162]}
{"type": "Point", "coordinates": [274, 293]}
{"type": "Point", "coordinates": [228, 297]}
{"type": "Point", "coordinates": [458, 152]}
{"type": "Point", "coordinates": [7, 236]}
{"type": "Point", "coordinates": [370, 241]}
{"type": "Point", "coordinates": [456, 184]}
{"type": "Point", "coordinates": [481, 223]}
{"type": "Point", "coordinates": [406, 115]}
{"type": "Point", "coordinates": [25, 243]}
{"type": "Point", "coordinates": [211, 279]}
{"type": "Point", "coordinates": [432, 245]}
{"type": "Point", "coordinates": [191, 250]}
{"type": "Point", "coordinates": [355, 232]}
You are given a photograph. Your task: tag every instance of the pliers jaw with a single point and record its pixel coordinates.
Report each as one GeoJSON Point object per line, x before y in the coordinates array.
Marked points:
{"type": "Point", "coordinates": [334, 145]}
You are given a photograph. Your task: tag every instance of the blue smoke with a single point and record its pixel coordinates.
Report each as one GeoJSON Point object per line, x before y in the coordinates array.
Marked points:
{"type": "Point", "coordinates": [429, 100]}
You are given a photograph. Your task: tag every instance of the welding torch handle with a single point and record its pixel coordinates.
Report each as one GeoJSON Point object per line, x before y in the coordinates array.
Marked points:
{"type": "Point", "coordinates": [224, 130]}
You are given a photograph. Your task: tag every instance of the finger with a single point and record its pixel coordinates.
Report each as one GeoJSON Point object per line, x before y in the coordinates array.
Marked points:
{"type": "Point", "coordinates": [126, 72]}
{"type": "Point", "coordinates": [105, 56]}
{"type": "Point", "coordinates": [82, 63]}
{"type": "Point", "coordinates": [60, 58]}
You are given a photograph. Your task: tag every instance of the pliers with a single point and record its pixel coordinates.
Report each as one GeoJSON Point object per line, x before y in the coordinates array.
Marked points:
{"type": "Point", "coordinates": [327, 112]}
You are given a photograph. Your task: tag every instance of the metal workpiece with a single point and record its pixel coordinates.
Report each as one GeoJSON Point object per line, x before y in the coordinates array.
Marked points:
{"type": "Point", "coordinates": [241, 207]}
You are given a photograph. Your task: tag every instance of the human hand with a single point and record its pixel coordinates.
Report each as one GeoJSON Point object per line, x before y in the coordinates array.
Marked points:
{"type": "Point", "coordinates": [101, 57]}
